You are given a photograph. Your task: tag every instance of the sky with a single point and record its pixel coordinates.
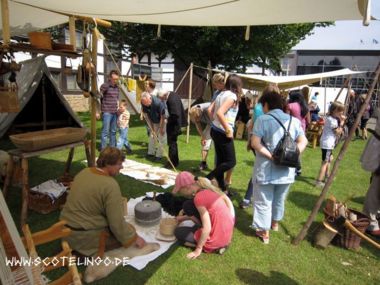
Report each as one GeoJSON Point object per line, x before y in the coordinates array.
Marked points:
{"type": "Point", "coordinates": [346, 35]}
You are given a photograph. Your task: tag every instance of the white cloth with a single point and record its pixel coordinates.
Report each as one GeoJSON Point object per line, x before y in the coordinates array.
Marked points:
{"type": "Point", "coordinates": [328, 137]}
{"type": "Point", "coordinates": [147, 233]}
{"type": "Point", "coordinates": [231, 113]}
{"type": "Point", "coordinates": [51, 188]}
{"type": "Point", "coordinates": [148, 173]}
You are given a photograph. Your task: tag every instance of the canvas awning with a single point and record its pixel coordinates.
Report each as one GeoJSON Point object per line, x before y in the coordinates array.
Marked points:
{"type": "Point", "coordinates": [27, 15]}
{"type": "Point", "coordinates": [258, 82]}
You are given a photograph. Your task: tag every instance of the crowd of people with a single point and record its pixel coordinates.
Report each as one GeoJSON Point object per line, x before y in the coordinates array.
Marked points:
{"type": "Point", "coordinates": [274, 115]}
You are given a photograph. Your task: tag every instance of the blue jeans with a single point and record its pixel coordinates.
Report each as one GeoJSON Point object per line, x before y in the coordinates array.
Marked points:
{"type": "Point", "coordinates": [269, 204]}
{"type": "Point", "coordinates": [123, 139]}
{"type": "Point", "coordinates": [109, 129]}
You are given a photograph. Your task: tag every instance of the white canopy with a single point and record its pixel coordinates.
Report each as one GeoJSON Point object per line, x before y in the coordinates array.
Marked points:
{"type": "Point", "coordinates": [258, 82]}
{"type": "Point", "coordinates": [27, 15]}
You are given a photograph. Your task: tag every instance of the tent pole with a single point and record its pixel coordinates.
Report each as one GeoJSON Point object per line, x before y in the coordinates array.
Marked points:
{"type": "Point", "coordinates": [5, 22]}
{"type": "Point", "coordinates": [189, 103]}
{"type": "Point", "coordinates": [346, 82]}
{"type": "Point", "coordinates": [43, 103]}
{"type": "Point", "coordinates": [341, 154]}
{"type": "Point", "coordinates": [73, 38]}
{"type": "Point", "coordinates": [94, 56]}
{"type": "Point", "coordinates": [183, 78]}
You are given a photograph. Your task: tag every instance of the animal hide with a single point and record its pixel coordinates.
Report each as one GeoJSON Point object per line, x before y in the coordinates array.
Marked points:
{"type": "Point", "coordinates": [102, 270]}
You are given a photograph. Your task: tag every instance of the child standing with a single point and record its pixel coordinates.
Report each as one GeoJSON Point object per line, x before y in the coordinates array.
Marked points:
{"type": "Point", "coordinates": [123, 124]}
{"type": "Point", "coordinates": [333, 128]}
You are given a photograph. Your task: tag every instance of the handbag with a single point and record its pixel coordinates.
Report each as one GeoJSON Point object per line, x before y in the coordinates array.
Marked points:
{"type": "Point", "coordinates": [286, 153]}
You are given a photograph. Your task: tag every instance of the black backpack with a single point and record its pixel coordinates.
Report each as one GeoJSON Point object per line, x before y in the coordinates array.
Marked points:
{"type": "Point", "coordinates": [286, 153]}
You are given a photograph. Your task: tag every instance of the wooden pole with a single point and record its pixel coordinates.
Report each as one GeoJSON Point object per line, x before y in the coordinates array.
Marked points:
{"type": "Point", "coordinates": [341, 154]}
{"type": "Point", "coordinates": [189, 103]}
{"type": "Point", "coordinates": [73, 34]}
{"type": "Point", "coordinates": [43, 103]}
{"type": "Point", "coordinates": [183, 78]}
{"type": "Point", "coordinates": [94, 87]}
{"type": "Point", "coordinates": [5, 22]}
{"type": "Point", "coordinates": [344, 86]}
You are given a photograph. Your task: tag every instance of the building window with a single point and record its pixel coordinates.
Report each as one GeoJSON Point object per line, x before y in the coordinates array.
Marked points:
{"type": "Point", "coordinates": [71, 82]}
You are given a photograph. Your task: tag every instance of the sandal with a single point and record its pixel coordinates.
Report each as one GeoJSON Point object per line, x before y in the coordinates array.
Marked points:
{"type": "Point", "coordinates": [274, 226]}
{"type": "Point", "coordinates": [263, 235]}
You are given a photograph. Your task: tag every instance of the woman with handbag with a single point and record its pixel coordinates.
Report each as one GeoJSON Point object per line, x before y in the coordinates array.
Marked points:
{"type": "Point", "coordinates": [272, 181]}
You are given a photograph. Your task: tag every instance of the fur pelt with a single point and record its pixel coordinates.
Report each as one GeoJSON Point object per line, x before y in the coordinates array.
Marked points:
{"type": "Point", "coordinates": [99, 271]}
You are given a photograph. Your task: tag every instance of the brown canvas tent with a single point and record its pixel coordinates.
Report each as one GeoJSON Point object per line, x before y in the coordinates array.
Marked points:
{"type": "Point", "coordinates": [36, 113]}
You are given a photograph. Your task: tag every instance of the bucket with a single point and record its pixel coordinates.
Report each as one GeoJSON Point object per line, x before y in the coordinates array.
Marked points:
{"type": "Point", "coordinates": [324, 236]}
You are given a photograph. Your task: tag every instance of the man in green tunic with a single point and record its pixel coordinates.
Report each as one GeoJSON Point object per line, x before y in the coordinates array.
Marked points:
{"type": "Point", "coordinates": [95, 204]}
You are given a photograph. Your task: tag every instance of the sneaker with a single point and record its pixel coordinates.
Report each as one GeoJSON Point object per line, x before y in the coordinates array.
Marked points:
{"type": "Point", "coordinates": [274, 226]}
{"type": "Point", "coordinates": [129, 151]}
{"type": "Point", "coordinates": [244, 204]}
{"type": "Point", "coordinates": [203, 165]}
{"type": "Point", "coordinates": [263, 235]}
{"type": "Point", "coordinates": [319, 184]}
{"type": "Point", "coordinates": [222, 250]}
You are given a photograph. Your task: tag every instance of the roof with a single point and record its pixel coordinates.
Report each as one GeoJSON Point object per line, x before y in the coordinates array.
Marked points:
{"type": "Point", "coordinates": [26, 15]}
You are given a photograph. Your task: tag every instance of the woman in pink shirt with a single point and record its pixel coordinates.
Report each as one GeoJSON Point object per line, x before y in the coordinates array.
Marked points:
{"type": "Point", "coordinates": [298, 108]}
{"type": "Point", "coordinates": [211, 211]}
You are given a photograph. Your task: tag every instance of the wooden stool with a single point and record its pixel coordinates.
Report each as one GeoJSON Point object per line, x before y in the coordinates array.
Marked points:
{"type": "Point", "coordinates": [24, 156]}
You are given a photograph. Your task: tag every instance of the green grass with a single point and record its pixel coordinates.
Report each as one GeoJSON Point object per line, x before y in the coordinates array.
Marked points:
{"type": "Point", "coordinates": [247, 261]}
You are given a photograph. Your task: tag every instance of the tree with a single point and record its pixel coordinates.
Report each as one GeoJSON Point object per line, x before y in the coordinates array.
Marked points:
{"type": "Point", "coordinates": [224, 47]}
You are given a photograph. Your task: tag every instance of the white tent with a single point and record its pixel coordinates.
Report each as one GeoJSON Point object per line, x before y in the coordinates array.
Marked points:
{"type": "Point", "coordinates": [258, 82]}
{"type": "Point", "coordinates": [27, 15]}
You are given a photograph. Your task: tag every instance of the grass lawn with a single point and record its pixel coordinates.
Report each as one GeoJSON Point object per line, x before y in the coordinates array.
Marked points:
{"type": "Point", "coordinates": [247, 261]}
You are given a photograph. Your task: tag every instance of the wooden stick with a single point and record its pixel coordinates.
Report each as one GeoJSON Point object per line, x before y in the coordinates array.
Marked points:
{"type": "Point", "coordinates": [73, 36]}
{"type": "Point", "coordinates": [94, 56]}
{"type": "Point", "coordinates": [341, 154]}
{"type": "Point", "coordinates": [344, 85]}
{"type": "Point", "coordinates": [189, 103]}
{"type": "Point", "coordinates": [5, 22]}
{"type": "Point", "coordinates": [183, 78]}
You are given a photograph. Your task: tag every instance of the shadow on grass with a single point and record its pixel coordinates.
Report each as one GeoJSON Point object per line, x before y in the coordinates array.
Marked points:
{"type": "Point", "coordinates": [307, 180]}
{"type": "Point", "coordinates": [249, 276]}
{"type": "Point", "coordinates": [303, 200]}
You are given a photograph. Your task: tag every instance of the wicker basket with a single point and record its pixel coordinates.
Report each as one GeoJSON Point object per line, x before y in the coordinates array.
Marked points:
{"type": "Point", "coordinates": [40, 40]}
{"type": "Point", "coordinates": [43, 204]}
{"type": "Point", "coordinates": [33, 141]}
{"type": "Point", "coordinates": [348, 239]}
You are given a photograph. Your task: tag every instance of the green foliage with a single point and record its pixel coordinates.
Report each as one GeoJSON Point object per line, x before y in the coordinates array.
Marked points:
{"type": "Point", "coordinates": [222, 46]}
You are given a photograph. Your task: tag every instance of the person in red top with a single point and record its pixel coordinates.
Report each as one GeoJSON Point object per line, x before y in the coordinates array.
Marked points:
{"type": "Point", "coordinates": [211, 211]}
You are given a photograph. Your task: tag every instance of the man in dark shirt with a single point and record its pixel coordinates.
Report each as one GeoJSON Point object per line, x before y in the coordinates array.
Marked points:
{"type": "Point", "coordinates": [176, 120]}
{"type": "Point", "coordinates": [109, 106]}
{"type": "Point", "coordinates": [154, 113]}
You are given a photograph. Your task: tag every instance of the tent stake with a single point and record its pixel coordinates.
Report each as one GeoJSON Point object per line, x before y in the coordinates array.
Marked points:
{"type": "Point", "coordinates": [341, 154]}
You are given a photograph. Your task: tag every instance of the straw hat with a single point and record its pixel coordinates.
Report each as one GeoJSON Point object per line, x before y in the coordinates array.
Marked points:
{"type": "Point", "coordinates": [166, 230]}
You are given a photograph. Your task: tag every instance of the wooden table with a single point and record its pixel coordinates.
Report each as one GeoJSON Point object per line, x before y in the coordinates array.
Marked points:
{"type": "Point", "coordinates": [24, 156]}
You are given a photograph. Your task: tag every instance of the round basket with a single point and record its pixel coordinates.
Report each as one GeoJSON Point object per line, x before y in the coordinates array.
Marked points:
{"type": "Point", "coordinates": [167, 226]}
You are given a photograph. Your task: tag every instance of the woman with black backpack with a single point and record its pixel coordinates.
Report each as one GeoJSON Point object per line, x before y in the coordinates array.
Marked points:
{"type": "Point", "coordinates": [271, 177]}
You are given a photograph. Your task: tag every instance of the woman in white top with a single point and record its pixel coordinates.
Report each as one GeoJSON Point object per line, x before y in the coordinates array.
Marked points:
{"type": "Point", "coordinates": [223, 112]}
